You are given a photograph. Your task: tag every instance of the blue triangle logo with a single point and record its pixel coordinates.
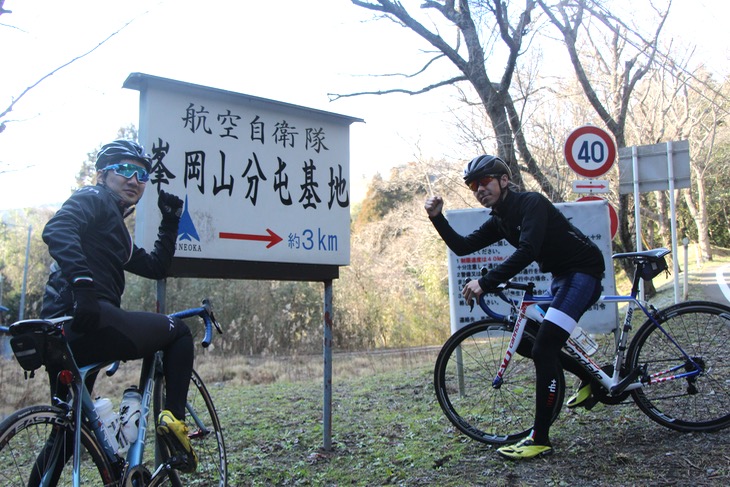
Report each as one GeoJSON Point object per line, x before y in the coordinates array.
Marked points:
{"type": "Point", "coordinates": [186, 228]}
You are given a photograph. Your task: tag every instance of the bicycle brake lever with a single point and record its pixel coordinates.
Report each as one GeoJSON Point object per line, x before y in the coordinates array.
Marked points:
{"type": "Point", "coordinates": [216, 324]}
{"type": "Point", "coordinates": [470, 301]}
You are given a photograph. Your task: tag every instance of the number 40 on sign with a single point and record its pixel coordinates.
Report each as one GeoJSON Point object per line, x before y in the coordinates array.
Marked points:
{"type": "Point", "coordinates": [590, 151]}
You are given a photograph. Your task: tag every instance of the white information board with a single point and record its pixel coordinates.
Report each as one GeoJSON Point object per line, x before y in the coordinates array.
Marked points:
{"type": "Point", "coordinates": [591, 217]}
{"type": "Point", "coordinates": [262, 180]}
{"type": "Point", "coordinates": [653, 169]}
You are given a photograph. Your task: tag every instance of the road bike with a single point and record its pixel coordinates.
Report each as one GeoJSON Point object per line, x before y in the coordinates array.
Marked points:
{"type": "Point", "coordinates": [676, 367]}
{"type": "Point", "coordinates": [65, 444]}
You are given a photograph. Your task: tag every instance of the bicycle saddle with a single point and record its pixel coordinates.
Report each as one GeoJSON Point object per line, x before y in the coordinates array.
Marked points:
{"type": "Point", "coordinates": [653, 254]}
{"type": "Point", "coordinates": [33, 326]}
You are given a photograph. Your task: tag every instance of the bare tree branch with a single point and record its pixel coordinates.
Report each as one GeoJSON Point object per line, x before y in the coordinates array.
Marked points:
{"type": "Point", "coordinates": [43, 78]}
{"type": "Point", "coordinates": [473, 64]}
{"type": "Point", "coordinates": [337, 96]}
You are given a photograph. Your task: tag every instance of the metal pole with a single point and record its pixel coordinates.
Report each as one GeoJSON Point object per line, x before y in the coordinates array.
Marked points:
{"type": "Point", "coordinates": [161, 296]}
{"type": "Point", "coordinates": [25, 276]}
{"type": "Point", "coordinates": [637, 212]}
{"type": "Point", "coordinates": [327, 410]}
{"type": "Point", "coordinates": [685, 241]}
{"type": "Point", "coordinates": [161, 307]}
{"type": "Point", "coordinates": [673, 220]}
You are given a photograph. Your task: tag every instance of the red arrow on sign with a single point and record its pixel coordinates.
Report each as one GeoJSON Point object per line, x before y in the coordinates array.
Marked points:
{"type": "Point", "coordinates": [590, 186]}
{"type": "Point", "coordinates": [272, 238]}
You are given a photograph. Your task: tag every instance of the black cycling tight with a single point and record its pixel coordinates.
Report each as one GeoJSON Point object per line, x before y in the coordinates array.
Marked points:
{"type": "Point", "coordinates": [130, 335]}
{"type": "Point", "coordinates": [546, 354]}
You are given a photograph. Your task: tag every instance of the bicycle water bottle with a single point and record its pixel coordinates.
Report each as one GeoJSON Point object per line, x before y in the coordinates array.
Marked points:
{"type": "Point", "coordinates": [109, 420]}
{"type": "Point", "coordinates": [130, 411]}
{"type": "Point", "coordinates": [585, 342]}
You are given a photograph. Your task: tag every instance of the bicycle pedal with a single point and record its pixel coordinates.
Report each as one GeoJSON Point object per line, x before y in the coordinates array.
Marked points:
{"type": "Point", "coordinates": [173, 446]}
{"type": "Point", "coordinates": [179, 459]}
{"type": "Point", "coordinates": [179, 462]}
{"type": "Point", "coordinates": [589, 403]}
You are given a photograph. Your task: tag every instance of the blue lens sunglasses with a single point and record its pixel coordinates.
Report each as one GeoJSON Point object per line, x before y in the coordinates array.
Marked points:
{"type": "Point", "coordinates": [128, 170]}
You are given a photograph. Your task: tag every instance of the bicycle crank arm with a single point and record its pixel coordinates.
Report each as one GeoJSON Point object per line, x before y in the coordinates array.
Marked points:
{"type": "Point", "coordinates": [159, 475]}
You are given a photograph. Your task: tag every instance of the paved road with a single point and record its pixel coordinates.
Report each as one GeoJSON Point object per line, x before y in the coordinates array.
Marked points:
{"type": "Point", "coordinates": [715, 281]}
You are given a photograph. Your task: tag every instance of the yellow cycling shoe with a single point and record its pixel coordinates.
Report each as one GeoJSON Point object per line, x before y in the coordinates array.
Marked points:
{"type": "Point", "coordinates": [175, 433]}
{"type": "Point", "coordinates": [525, 449]}
{"type": "Point", "coordinates": [580, 396]}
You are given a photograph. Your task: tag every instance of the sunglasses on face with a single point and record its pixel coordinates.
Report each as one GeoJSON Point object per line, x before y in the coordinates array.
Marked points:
{"type": "Point", "coordinates": [483, 181]}
{"type": "Point", "coordinates": [127, 170]}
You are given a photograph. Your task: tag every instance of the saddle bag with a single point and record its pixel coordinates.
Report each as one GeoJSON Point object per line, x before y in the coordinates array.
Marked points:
{"type": "Point", "coordinates": [34, 343]}
{"type": "Point", "coordinates": [652, 268]}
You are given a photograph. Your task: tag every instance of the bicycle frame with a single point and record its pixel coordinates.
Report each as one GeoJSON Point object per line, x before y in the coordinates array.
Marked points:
{"type": "Point", "coordinates": [614, 383]}
{"type": "Point", "coordinates": [151, 367]}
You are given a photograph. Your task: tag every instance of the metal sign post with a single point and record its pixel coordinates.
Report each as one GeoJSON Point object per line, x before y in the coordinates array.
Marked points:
{"type": "Point", "coordinates": [590, 152]}
{"type": "Point", "coordinates": [656, 167]}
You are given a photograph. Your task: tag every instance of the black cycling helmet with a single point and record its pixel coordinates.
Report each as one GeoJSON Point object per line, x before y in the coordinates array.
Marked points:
{"type": "Point", "coordinates": [114, 152]}
{"type": "Point", "coordinates": [485, 165]}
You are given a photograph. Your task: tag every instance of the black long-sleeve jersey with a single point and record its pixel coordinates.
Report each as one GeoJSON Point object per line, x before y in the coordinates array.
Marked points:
{"type": "Point", "coordinates": [87, 238]}
{"type": "Point", "coordinates": [538, 231]}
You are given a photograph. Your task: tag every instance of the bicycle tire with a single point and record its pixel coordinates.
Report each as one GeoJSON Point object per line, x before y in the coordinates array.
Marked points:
{"type": "Point", "coordinates": [479, 410]}
{"type": "Point", "coordinates": [207, 443]}
{"type": "Point", "coordinates": [27, 433]}
{"type": "Point", "coordinates": [702, 403]}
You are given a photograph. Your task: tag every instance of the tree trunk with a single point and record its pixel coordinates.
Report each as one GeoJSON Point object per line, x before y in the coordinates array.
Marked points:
{"type": "Point", "coordinates": [699, 215]}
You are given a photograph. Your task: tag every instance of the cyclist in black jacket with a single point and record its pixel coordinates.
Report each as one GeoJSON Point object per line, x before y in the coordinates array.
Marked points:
{"type": "Point", "coordinates": [540, 233]}
{"type": "Point", "coordinates": [92, 249]}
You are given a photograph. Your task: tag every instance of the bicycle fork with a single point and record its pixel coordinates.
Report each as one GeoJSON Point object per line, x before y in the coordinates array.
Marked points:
{"type": "Point", "coordinates": [527, 311]}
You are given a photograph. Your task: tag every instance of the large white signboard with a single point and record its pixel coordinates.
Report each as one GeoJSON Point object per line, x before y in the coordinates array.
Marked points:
{"type": "Point", "coordinates": [591, 217]}
{"type": "Point", "coordinates": [262, 180]}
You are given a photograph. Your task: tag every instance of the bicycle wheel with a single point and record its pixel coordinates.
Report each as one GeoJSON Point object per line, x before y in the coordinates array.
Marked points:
{"type": "Point", "coordinates": [206, 436]}
{"type": "Point", "coordinates": [700, 403]}
{"type": "Point", "coordinates": [37, 441]}
{"type": "Point", "coordinates": [463, 375]}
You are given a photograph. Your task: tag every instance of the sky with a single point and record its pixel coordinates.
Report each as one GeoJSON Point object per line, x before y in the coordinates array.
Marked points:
{"type": "Point", "coordinates": [293, 51]}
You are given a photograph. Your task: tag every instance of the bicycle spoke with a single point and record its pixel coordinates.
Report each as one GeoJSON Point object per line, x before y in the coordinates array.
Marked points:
{"type": "Point", "coordinates": [463, 377]}
{"type": "Point", "coordinates": [205, 433]}
{"type": "Point", "coordinates": [36, 442]}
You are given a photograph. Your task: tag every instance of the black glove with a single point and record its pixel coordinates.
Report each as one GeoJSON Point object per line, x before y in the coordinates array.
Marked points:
{"type": "Point", "coordinates": [170, 205]}
{"type": "Point", "coordinates": [86, 307]}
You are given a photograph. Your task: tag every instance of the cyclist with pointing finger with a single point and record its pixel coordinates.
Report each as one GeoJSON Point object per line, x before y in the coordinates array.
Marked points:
{"type": "Point", "coordinates": [540, 233]}
{"type": "Point", "coordinates": [92, 249]}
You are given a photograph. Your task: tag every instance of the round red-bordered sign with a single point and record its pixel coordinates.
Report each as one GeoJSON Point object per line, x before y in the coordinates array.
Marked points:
{"type": "Point", "coordinates": [590, 151]}
{"type": "Point", "coordinates": [612, 215]}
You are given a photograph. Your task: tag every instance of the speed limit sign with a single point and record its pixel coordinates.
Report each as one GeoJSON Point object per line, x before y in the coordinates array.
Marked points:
{"type": "Point", "coordinates": [590, 151]}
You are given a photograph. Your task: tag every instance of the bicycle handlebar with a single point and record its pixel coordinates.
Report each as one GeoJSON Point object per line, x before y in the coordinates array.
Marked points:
{"type": "Point", "coordinates": [206, 313]}
{"type": "Point", "coordinates": [528, 288]}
